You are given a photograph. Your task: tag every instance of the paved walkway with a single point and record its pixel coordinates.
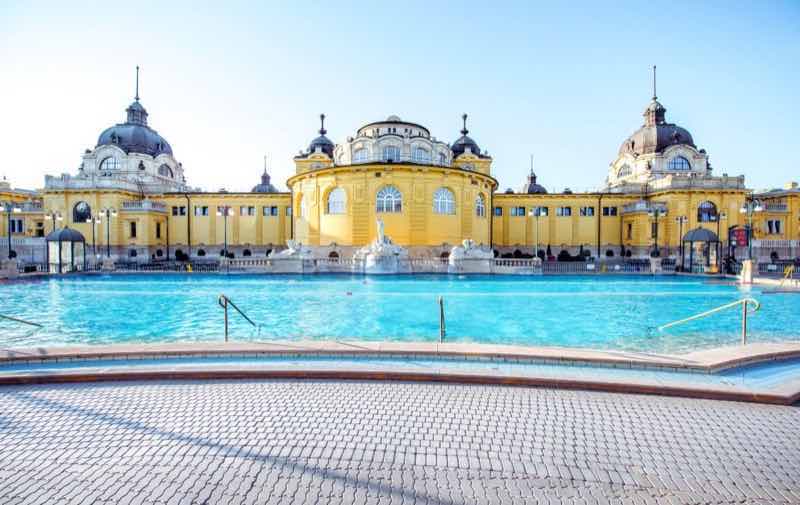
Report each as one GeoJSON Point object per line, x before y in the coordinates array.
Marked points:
{"type": "Point", "coordinates": [381, 442]}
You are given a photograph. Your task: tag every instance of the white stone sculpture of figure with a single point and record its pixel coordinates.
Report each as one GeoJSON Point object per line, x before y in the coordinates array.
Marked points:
{"type": "Point", "coordinates": [294, 249]}
{"type": "Point", "coordinates": [381, 233]}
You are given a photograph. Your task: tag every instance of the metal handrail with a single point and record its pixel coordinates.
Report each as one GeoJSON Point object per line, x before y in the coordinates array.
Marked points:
{"type": "Point", "coordinates": [20, 321]}
{"type": "Point", "coordinates": [743, 302]}
{"type": "Point", "coordinates": [442, 330]}
{"type": "Point", "coordinates": [223, 302]}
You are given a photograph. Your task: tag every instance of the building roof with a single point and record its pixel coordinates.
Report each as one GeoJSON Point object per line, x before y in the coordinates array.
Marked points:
{"type": "Point", "coordinates": [700, 235]}
{"type": "Point", "coordinates": [65, 235]}
{"type": "Point", "coordinates": [134, 135]}
{"type": "Point", "coordinates": [265, 186]}
{"type": "Point", "coordinates": [531, 187]}
{"type": "Point", "coordinates": [656, 134]}
{"type": "Point", "coordinates": [462, 143]}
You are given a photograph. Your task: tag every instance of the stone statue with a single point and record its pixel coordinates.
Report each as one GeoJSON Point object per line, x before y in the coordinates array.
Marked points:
{"type": "Point", "coordinates": [381, 233]}
{"type": "Point", "coordinates": [294, 250]}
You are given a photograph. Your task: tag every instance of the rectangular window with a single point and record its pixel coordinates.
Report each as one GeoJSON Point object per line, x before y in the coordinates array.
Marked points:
{"type": "Point", "coordinates": [247, 210]}
{"type": "Point", "coordinates": [158, 230]}
{"type": "Point", "coordinates": [564, 211]}
{"type": "Point", "coordinates": [609, 211]}
{"type": "Point", "coordinates": [17, 225]}
{"type": "Point", "coordinates": [518, 211]}
{"type": "Point", "coordinates": [587, 211]}
{"type": "Point", "coordinates": [288, 212]}
{"type": "Point", "coordinates": [774, 227]}
{"type": "Point", "coordinates": [498, 211]}
{"type": "Point", "coordinates": [201, 210]}
{"type": "Point", "coordinates": [133, 229]}
{"type": "Point", "coordinates": [182, 210]}
{"type": "Point", "coordinates": [541, 211]}
{"type": "Point", "coordinates": [174, 211]}
{"type": "Point", "coordinates": [273, 211]}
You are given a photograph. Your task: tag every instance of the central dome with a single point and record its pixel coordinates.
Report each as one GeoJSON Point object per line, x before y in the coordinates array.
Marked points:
{"type": "Point", "coordinates": [656, 134]}
{"type": "Point", "coordinates": [134, 136]}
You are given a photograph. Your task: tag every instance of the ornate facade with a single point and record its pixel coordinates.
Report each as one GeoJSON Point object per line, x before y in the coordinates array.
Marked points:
{"type": "Point", "coordinates": [130, 198]}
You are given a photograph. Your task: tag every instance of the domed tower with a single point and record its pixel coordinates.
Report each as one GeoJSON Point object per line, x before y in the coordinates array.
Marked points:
{"type": "Point", "coordinates": [319, 153]}
{"type": "Point", "coordinates": [131, 153]}
{"type": "Point", "coordinates": [265, 186]}
{"type": "Point", "coordinates": [655, 150]}
{"type": "Point", "coordinates": [466, 153]}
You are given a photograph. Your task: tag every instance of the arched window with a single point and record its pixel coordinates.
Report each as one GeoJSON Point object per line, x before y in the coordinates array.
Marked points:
{"type": "Point", "coordinates": [81, 212]}
{"type": "Point", "coordinates": [480, 206]}
{"type": "Point", "coordinates": [442, 159]}
{"type": "Point", "coordinates": [110, 163]}
{"type": "Point", "coordinates": [707, 212]}
{"type": "Point", "coordinates": [360, 155]}
{"type": "Point", "coordinates": [389, 199]}
{"type": "Point", "coordinates": [337, 201]}
{"type": "Point", "coordinates": [165, 171]}
{"type": "Point", "coordinates": [679, 163]}
{"type": "Point", "coordinates": [391, 153]}
{"type": "Point", "coordinates": [624, 171]}
{"type": "Point", "coordinates": [421, 155]}
{"type": "Point", "coordinates": [444, 202]}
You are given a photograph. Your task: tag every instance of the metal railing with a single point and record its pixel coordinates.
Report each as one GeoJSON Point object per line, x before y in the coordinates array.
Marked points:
{"type": "Point", "coordinates": [743, 302]}
{"type": "Point", "coordinates": [21, 321]}
{"type": "Point", "coordinates": [223, 302]}
{"type": "Point", "coordinates": [442, 329]}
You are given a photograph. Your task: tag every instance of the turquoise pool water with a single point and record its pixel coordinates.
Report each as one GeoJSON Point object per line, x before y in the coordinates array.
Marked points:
{"type": "Point", "coordinates": [594, 311]}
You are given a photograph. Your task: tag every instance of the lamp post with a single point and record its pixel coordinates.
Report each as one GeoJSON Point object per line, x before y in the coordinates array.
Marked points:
{"type": "Point", "coordinates": [749, 208]}
{"type": "Point", "coordinates": [94, 221]}
{"type": "Point", "coordinates": [53, 216]}
{"type": "Point", "coordinates": [655, 213]}
{"type": "Point", "coordinates": [681, 220]}
{"type": "Point", "coordinates": [9, 208]}
{"type": "Point", "coordinates": [535, 212]}
{"type": "Point", "coordinates": [109, 212]}
{"type": "Point", "coordinates": [225, 212]}
{"type": "Point", "coordinates": [722, 215]}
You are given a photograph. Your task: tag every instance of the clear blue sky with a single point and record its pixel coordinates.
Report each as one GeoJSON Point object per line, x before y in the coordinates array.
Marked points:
{"type": "Point", "coordinates": [226, 82]}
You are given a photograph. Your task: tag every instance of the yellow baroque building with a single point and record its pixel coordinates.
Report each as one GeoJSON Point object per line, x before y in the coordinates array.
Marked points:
{"type": "Point", "coordinates": [130, 200]}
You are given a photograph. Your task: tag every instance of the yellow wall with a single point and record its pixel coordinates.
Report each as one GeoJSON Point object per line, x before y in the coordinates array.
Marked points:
{"type": "Point", "coordinates": [416, 225]}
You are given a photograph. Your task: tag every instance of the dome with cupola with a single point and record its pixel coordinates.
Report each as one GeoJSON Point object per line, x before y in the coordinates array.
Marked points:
{"type": "Point", "coordinates": [134, 135]}
{"type": "Point", "coordinates": [322, 142]}
{"type": "Point", "coordinates": [656, 134]}
{"type": "Point", "coordinates": [465, 142]}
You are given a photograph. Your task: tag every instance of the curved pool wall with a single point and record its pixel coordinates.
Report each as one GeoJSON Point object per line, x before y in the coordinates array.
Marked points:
{"type": "Point", "coordinates": [617, 313]}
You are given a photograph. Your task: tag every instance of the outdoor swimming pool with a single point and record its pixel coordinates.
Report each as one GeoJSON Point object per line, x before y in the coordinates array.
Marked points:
{"type": "Point", "coordinates": [601, 312]}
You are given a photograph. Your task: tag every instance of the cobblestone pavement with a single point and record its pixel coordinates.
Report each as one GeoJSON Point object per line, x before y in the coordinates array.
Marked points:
{"type": "Point", "coordinates": [383, 442]}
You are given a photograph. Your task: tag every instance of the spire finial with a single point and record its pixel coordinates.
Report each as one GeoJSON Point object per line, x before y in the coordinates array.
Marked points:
{"type": "Point", "coordinates": [532, 165]}
{"type": "Point", "coordinates": [655, 97]}
{"type": "Point", "coordinates": [137, 83]}
{"type": "Point", "coordinates": [464, 130]}
{"type": "Point", "coordinates": [265, 164]}
{"type": "Point", "coordinates": [322, 130]}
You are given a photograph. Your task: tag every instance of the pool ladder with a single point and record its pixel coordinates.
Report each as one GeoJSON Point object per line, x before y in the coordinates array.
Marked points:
{"type": "Point", "coordinates": [743, 302]}
{"type": "Point", "coordinates": [223, 302]}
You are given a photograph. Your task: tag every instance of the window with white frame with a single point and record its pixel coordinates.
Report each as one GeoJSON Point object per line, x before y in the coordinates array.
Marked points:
{"type": "Point", "coordinates": [337, 201]}
{"type": "Point", "coordinates": [609, 211]}
{"type": "Point", "coordinates": [109, 164]}
{"type": "Point", "coordinates": [564, 211]}
{"type": "Point", "coordinates": [442, 159]}
{"type": "Point", "coordinates": [17, 225]}
{"type": "Point", "coordinates": [391, 153]}
{"type": "Point", "coordinates": [246, 210]}
{"type": "Point", "coordinates": [518, 211]}
{"type": "Point", "coordinates": [201, 210]}
{"type": "Point", "coordinates": [587, 211]}
{"type": "Point", "coordinates": [421, 155]}
{"type": "Point", "coordinates": [498, 211]}
{"type": "Point", "coordinates": [774, 226]}
{"type": "Point", "coordinates": [444, 202]}
{"type": "Point", "coordinates": [540, 211]}
{"type": "Point", "coordinates": [679, 163]}
{"type": "Point", "coordinates": [389, 199]}
{"type": "Point", "coordinates": [624, 171]}
{"type": "Point", "coordinates": [360, 155]}
{"type": "Point", "coordinates": [480, 206]}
